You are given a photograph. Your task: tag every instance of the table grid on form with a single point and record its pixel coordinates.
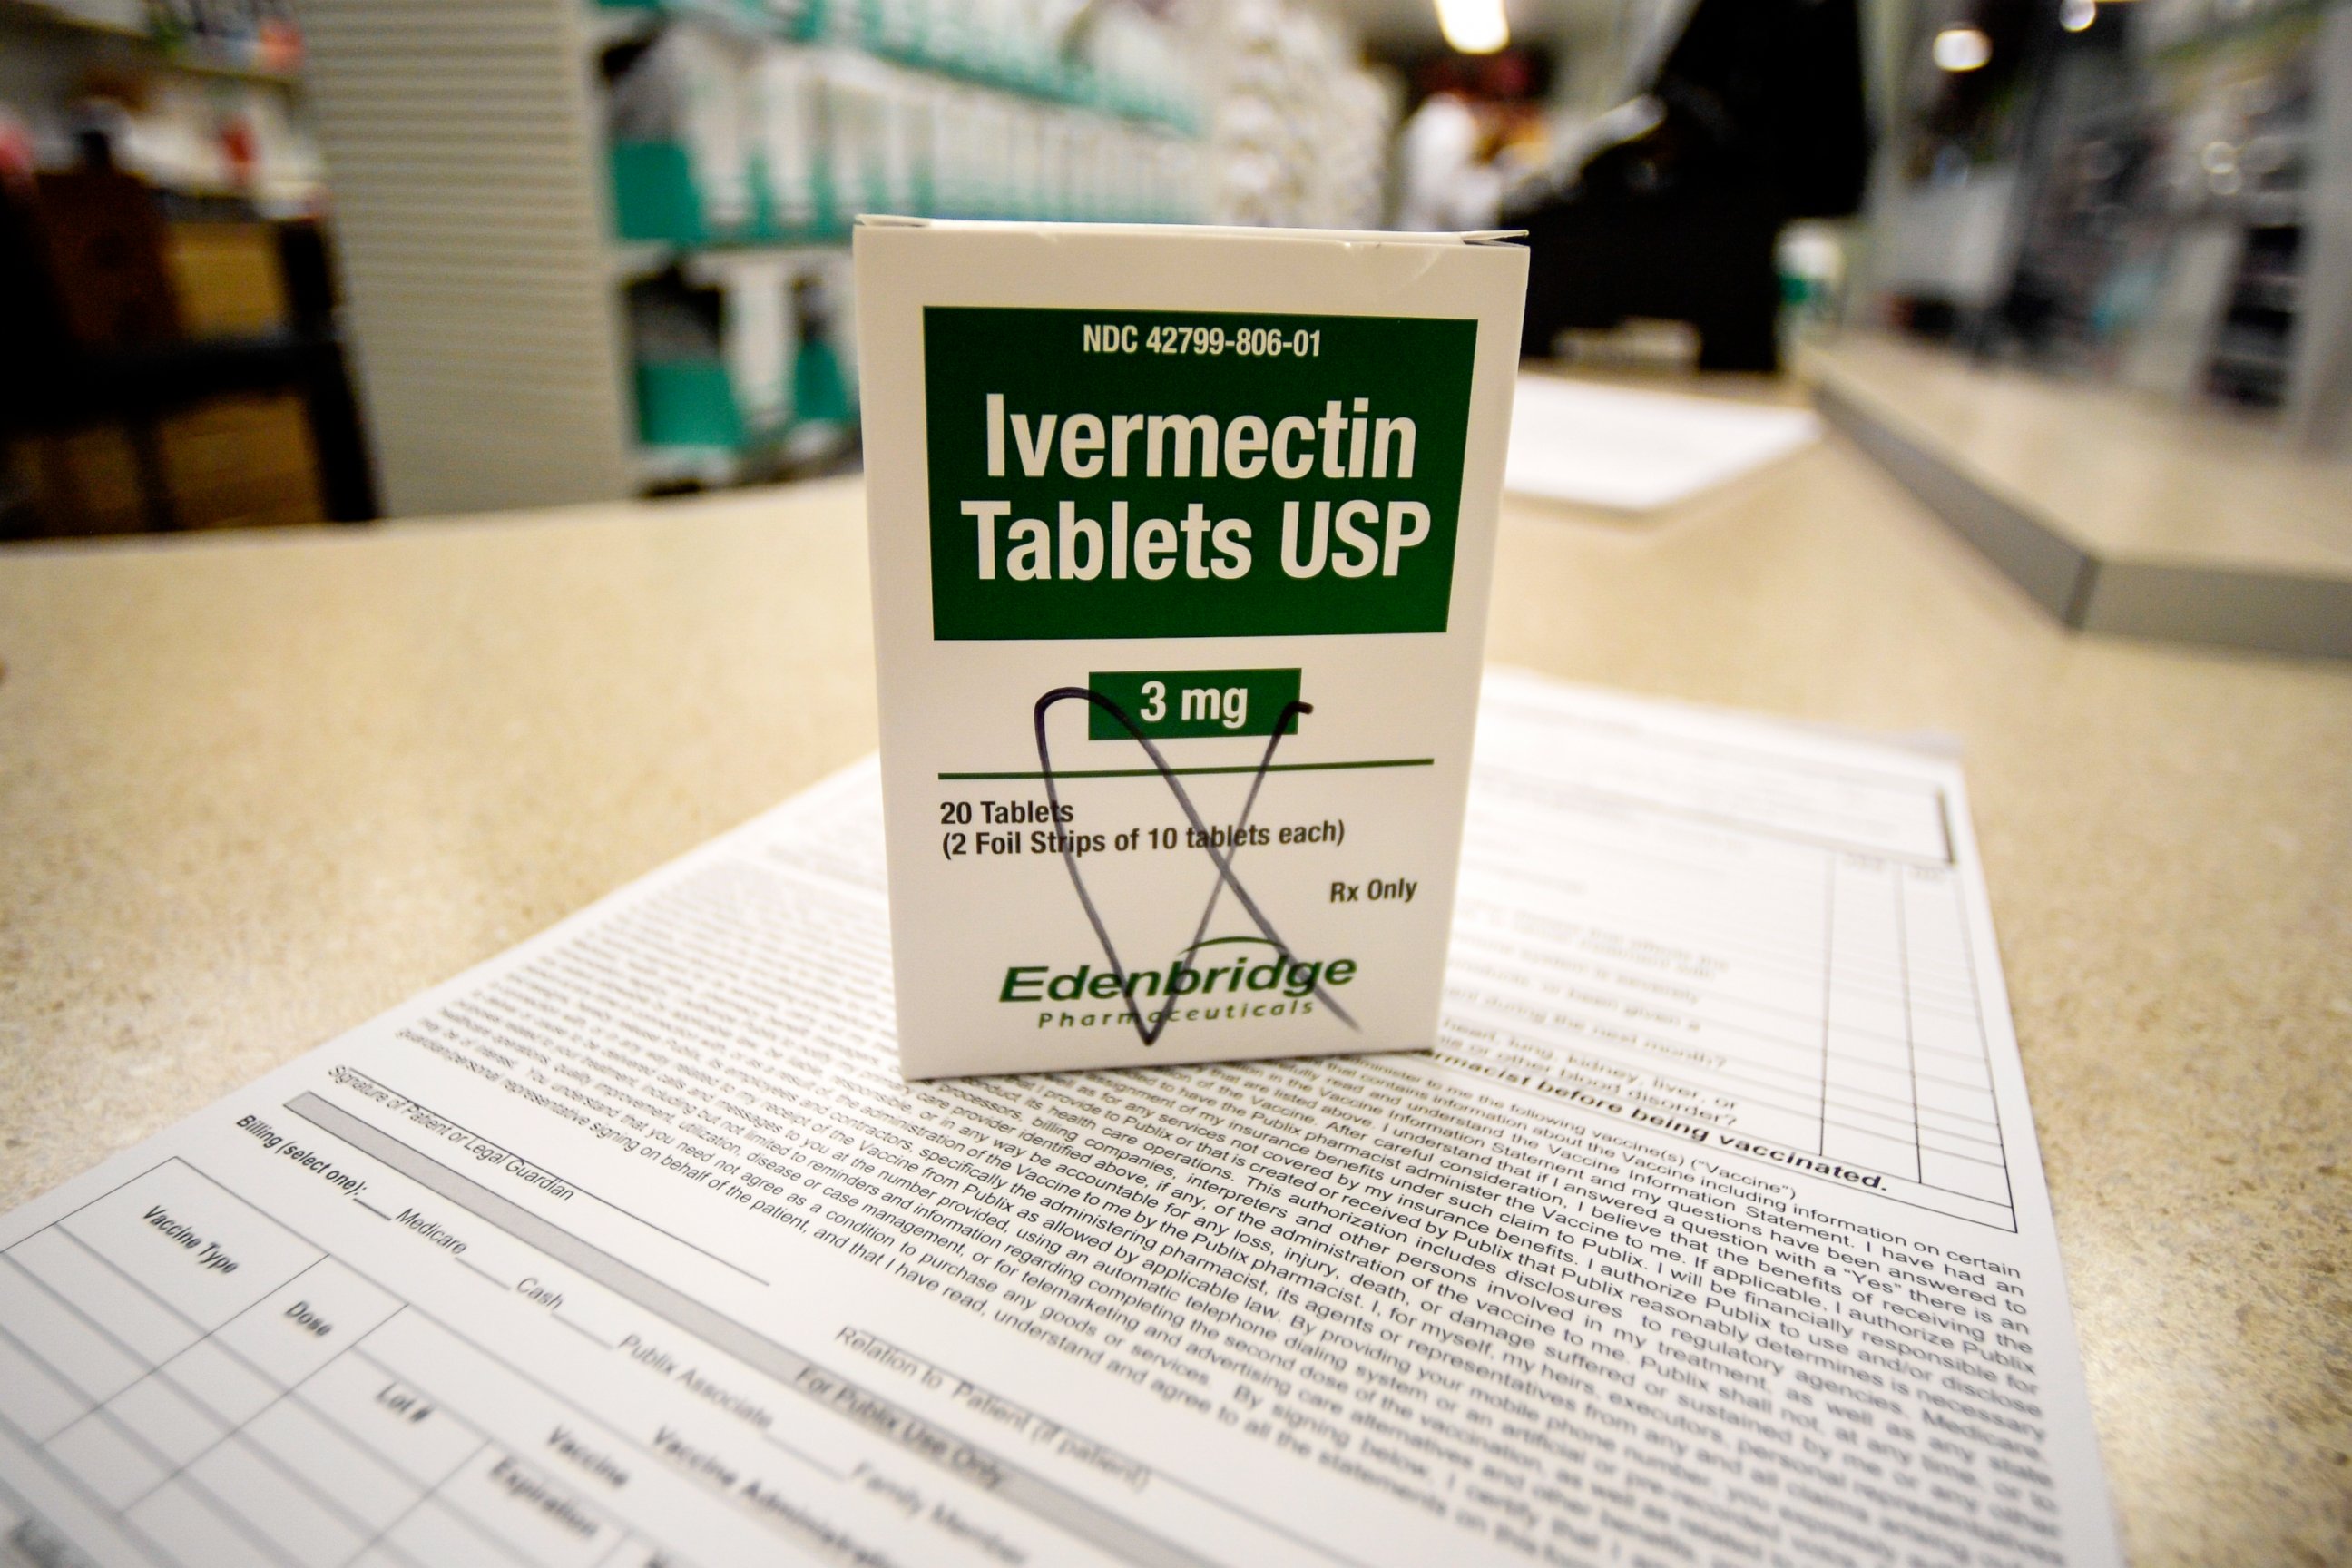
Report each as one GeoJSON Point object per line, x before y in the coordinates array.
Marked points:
{"type": "Point", "coordinates": [1771, 957]}
{"type": "Point", "coordinates": [232, 1394]}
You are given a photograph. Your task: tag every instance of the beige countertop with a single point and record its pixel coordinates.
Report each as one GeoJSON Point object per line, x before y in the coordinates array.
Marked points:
{"type": "Point", "coordinates": [252, 790]}
{"type": "Point", "coordinates": [2121, 474]}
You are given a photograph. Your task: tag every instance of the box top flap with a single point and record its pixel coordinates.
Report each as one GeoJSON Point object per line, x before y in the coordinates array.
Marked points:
{"type": "Point", "coordinates": [1201, 231]}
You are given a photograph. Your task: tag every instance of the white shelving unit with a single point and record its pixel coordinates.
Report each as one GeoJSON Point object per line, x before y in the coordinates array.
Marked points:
{"type": "Point", "coordinates": [468, 169]}
{"type": "Point", "coordinates": [475, 219]}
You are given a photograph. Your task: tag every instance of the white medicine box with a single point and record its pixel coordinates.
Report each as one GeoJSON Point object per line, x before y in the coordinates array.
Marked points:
{"type": "Point", "coordinates": [1181, 542]}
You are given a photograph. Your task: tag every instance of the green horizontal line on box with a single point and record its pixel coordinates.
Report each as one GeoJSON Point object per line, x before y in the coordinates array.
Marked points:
{"type": "Point", "coordinates": [1154, 772]}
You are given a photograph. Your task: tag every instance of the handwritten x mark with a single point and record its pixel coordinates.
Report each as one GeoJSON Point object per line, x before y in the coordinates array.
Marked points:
{"type": "Point", "coordinates": [1149, 1033]}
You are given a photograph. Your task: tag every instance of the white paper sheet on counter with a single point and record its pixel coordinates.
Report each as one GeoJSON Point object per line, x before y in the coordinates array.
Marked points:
{"type": "Point", "coordinates": [1711, 1230]}
{"type": "Point", "coordinates": [1633, 450]}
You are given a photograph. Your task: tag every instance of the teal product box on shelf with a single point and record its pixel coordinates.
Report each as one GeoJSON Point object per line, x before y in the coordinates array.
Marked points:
{"type": "Point", "coordinates": [694, 402]}
{"type": "Point", "coordinates": [714, 139]}
{"type": "Point", "coordinates": [688, 402]}
{"type": "Point", "coordinates": [736, 350]}
{"type": "Point", "coordinates": [658, 198]}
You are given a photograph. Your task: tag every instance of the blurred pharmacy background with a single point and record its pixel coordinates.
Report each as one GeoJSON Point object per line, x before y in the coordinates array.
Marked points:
{"type": "Point", "coordinates": [268, 263]}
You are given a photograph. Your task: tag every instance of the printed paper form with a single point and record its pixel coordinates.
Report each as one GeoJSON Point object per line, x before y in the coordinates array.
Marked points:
{"type": "Point", "coordinates": [1776, 954]}
{"type": "Point", "coordinates": [630, 1247]}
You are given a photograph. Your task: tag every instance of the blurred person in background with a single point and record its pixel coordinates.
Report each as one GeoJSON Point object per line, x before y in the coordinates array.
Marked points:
{"type": "Point", "coordinates": [1447, 179]}
{"type": "Point", "coordinates": [1480, 129]}
{"type": "Point", "coordinates": [1670, 206]}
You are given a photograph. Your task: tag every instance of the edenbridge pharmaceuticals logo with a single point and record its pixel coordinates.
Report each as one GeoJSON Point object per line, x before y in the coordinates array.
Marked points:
{"type": "Point", "coordinates": [1226, 977]}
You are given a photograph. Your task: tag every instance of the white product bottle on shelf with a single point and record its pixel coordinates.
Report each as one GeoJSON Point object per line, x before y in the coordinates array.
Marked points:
{"type": "Point", "coordinates": [758, 340]}
{"type": "Point", "coordinates": [783, 111]}
{"type": "Point", "coordinates": [714, 126]}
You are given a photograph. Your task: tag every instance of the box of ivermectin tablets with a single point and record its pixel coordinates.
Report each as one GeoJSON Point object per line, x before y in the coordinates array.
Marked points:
{"type": "Point", "coordinates": [1181, 543]}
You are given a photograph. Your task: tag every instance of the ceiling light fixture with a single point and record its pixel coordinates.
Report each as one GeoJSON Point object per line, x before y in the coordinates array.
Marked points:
{"type": "Point", "coordinates": [1474, 26]}
{"type": "Point", "coordinates": [1961, 48]}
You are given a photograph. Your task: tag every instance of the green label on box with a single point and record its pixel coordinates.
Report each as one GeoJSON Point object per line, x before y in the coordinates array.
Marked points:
{"type": "Point", "coordinates": [1185, 703]}
{"type": "Point", "coordinates": [1158, 473]}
